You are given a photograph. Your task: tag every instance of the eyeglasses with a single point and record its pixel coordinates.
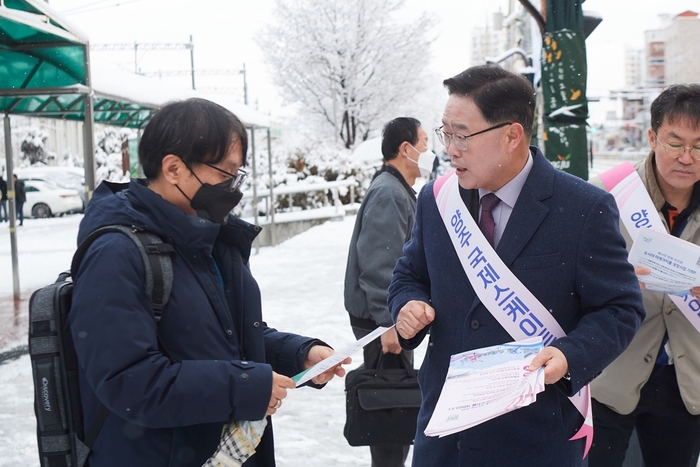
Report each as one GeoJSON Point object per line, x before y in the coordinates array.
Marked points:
{"type": "Point", "coordinates": [236, 179]}
{"type": "Point", "coordinates": [461, 140]}
{"type": "Point", "coordinates": [676, 150]}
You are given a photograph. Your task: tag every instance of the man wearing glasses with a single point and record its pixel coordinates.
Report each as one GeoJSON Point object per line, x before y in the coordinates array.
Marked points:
{"type": "Point", "coordinates": [554, 234]}
{"type": "Point", "coordinates": [166, 389]}
{"type": "Point", "coordinates": [654, 386]}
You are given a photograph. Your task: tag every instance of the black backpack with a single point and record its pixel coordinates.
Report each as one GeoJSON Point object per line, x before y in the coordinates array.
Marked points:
{"type": "Point", "coordinates": [62, 438]}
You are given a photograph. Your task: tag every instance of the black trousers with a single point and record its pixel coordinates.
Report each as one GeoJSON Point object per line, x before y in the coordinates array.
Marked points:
{"type": "Point", "coordinates": [383, 455]}
{"type": "Point", "coordinates": [669, 436]}
{"type": "Point", "coordinates": [20, 212]}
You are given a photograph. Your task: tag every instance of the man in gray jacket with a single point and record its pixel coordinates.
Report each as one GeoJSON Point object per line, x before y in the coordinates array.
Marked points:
{"type": "Point", "coordinates": [383, 225]}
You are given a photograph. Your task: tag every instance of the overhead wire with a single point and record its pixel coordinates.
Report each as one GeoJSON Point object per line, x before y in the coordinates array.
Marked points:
{"type": "Point", "coordinates": [87, 9]}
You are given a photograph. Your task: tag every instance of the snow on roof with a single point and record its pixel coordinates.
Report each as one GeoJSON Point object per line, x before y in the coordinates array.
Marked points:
{"type": "Point", "coordinates": [115, 83]}
{"type": "Point", "coordinates": [55, 17]}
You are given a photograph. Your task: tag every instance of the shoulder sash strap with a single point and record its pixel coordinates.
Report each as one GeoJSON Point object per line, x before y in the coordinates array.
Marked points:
{"type": "Point", "coordinates": [637, 211]}
{"type": "Point", "coordinates": [504, 296]}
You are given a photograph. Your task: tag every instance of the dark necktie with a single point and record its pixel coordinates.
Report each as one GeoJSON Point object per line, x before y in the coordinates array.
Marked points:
{"type": "Point", "coordinates": [486, 223]}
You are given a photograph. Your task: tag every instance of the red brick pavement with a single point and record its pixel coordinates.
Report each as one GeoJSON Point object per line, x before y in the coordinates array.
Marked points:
{"type": "Point", "coordinates": [14, 320]}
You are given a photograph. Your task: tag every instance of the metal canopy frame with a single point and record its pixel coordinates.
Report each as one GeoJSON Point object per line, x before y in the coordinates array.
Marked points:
{"type": "Point", "coordinates": [45, 71]}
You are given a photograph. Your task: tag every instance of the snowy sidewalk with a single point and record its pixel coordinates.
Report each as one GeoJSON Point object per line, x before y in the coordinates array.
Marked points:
{"type": "Point", "coordinates": [301, 281]}
{"type": "Point", "coordinates": [302, 290]}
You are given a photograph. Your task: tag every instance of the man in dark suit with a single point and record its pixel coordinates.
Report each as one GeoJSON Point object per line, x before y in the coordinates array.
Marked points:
{"type": "Point", "coordinates": [557, 234]}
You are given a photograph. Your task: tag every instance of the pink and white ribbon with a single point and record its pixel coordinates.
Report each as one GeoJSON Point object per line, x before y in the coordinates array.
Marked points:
{"type": "Point", "coordinates": [637, 211]}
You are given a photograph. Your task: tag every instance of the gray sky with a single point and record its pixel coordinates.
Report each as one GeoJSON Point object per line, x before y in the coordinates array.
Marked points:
{"type": "Point", "coordinates": [223, 33]}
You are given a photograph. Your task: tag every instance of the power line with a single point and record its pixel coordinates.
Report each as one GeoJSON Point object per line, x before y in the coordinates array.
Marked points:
{"type": "Point", "coordinates": [150, 46]}
{"type": "Point", "coordinates": [71, 10]}
{"type": "Point", "coordinates": [142, 46]}
{"type": "Point", "coordinates": [87, 9]}
{"type": "Point", "coordinates": [219, 72]}
{"type": "Point", "coordinates": [187, 72]}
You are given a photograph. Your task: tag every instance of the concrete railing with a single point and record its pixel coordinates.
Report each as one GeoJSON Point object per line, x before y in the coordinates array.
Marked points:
{"type": "Point", "coordinates": [282, 225]}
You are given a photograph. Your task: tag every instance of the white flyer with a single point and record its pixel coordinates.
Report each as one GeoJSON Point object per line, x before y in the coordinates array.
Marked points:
{"type": "Point", "coordinates": [485, 383]}
{"type": "Point", "coordinates": [674, 263]}
{"type": "Point", "coordinates": [338, 357]}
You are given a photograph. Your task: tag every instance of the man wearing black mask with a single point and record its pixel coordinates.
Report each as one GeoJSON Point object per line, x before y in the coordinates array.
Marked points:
{"type": "Point", "coordinates": [171, 387]}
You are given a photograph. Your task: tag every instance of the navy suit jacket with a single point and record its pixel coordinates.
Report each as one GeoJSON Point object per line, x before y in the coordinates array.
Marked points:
{"type": "Point", "coordinates": [563, 243]}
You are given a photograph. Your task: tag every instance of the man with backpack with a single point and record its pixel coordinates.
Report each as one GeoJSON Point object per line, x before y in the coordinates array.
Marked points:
{"type": "Point", "coordinates": [170, 385]}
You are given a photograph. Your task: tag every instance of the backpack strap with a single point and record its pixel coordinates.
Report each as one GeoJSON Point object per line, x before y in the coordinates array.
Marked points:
{"type": "Point", "coordinates": [156, 256]}
{"type": "Point", "coordinates": [157, 260]}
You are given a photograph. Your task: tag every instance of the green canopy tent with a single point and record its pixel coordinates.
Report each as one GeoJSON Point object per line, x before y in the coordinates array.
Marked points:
{"type": "Point", "coordinates": [45, 71]}
{"type": "Point", "coordinates": [43, 65]}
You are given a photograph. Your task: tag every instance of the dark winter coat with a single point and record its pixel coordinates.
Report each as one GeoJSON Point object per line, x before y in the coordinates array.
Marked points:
{"type": "Point", "coordinates": [563, 243]}
{"type": "Point", "coordinates": [3, 189]}
{"type": "Point", "coordinates": [20, 194]}
{"type": "Point", "coordinates": [168, 411]}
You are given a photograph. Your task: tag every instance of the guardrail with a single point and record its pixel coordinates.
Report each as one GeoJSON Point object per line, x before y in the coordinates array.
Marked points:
{"type": "Point", "coordinates": [631, 156]}
{"type": "Point", "coordinates": [271, 197]}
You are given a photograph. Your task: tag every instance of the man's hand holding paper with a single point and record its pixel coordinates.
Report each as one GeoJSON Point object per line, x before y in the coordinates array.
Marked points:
{"type": "Point", "coordinates": [317, 354]}
{"type": "Point", "coordinates": [323, 365]}
{"type": "Point", "coordinates": [485, 383]}
{"type": "Point", "coordinates": [554, 362]}
{"type": "Point", "coordinates": [664, 263]}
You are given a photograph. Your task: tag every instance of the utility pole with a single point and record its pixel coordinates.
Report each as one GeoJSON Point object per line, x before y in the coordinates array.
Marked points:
{"type": "Point", "coordinates": [192, 59]}
{"type": "Point", "coordinates": [245, 86]}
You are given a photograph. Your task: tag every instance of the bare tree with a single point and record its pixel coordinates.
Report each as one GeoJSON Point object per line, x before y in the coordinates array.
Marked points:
{"type": "Point", "coordinates": [350, 63]}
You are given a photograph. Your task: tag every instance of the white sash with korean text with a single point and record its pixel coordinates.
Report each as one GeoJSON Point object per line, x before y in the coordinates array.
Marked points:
{"type": "Point", "coordinates": [504, 296]}
{"type": "Point", "coordinates": [637, 211]}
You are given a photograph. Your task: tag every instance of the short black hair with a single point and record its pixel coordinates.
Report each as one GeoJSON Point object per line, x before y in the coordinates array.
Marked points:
{"type": "Point", "coordinates": [501, 95]}
{"type": "Point", "coordinates": [397, 132]}
{"type": "Point", "coordinates": [195, 130]}
{"type": "Point", "coordinates": [678, 102]}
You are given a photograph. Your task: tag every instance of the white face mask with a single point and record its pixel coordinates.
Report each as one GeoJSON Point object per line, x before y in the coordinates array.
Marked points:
{"type": "Point", "coordinates": [425, 161]}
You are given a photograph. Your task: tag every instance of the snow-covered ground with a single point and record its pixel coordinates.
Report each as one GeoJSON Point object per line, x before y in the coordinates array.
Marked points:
{"type": "Point", "coordinates": [302, 289]}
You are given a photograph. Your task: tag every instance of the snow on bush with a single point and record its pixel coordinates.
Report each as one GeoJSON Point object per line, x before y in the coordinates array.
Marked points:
{"type": "Point", "coordinates": [301, 160]}
{"type": "Point", "coordinates": [33, 146]}
{"type": "Point", "coordinates": [110, 144]}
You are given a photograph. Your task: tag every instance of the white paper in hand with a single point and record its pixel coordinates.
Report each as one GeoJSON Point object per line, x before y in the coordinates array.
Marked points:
{"type": "Point", "coordinates": [674, 263]}
{"type": "Point", "coordinates": [485, 383]}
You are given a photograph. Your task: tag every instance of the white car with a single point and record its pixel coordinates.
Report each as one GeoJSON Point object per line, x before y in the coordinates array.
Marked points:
{"type": "Point", "coordinates": [46, 199]}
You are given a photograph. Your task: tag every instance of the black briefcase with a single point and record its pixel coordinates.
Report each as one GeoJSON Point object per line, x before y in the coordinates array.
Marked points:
{"type": "Point", "coordinates": [381, 405]}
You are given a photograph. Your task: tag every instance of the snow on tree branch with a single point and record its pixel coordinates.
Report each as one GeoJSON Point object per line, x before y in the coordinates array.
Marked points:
{"type": "Point", "coordinates": [352, 65]}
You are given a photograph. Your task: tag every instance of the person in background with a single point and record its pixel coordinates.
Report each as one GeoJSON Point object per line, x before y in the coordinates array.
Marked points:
{"type": "Point", "coordinates": [555, 234]}
{"type": "Point", "coordinates": [3, 200]}
{"type": "Point", "coordinates": [170, 387]}
{"type": "Point", "coordinates": [654, 386]}
{"type": "Point", "coordinates": [20, 198]}
{"type": "Point", "coordinates": [382, 227]}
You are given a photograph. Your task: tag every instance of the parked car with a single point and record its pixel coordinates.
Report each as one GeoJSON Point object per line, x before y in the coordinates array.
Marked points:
{"type": "Point", "coordinates": [64, 177]}
{"type": "Point", "coordinates": [47, 199]}
{"type": "Point", "coordinates": [632, 152]}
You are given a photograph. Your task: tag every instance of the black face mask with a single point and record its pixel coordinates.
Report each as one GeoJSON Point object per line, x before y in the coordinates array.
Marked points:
{"type": "Point", "coordinates": [214, 202]}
